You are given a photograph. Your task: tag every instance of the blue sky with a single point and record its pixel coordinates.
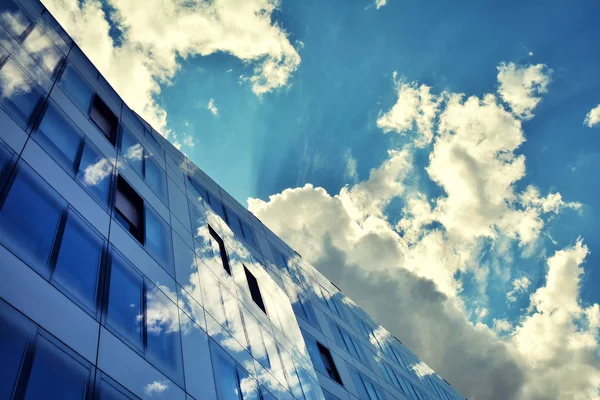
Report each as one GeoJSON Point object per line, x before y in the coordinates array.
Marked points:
{"type": "Point", "coordinates": [299, 93]}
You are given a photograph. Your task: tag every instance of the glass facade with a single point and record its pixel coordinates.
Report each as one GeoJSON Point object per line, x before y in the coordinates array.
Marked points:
{"type": "Point", "coordinates": [127, 273]}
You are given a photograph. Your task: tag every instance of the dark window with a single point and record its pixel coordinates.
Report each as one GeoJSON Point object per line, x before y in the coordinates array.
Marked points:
{"type": "Point", "coordinates": [329, 364]}
{"type": "Point", "coordinates": [76, 88]}
{"type": "Point", "coordinates": [254, 290]}
{"type": "Point", "coordinates": [125, 301]}
{"type": "Point", "coordinates": [158, 240]}
{"type": "Point", "coordinates": [60, 136]}
{"type": "Point", "coordinates": [104, 118]}
{"type": "Point", "coordinates": [78, 263]}
{"type": "Point", "coordinates": [19, 94]}
{"type": "Point", "coordinates": [29, 218]}
{"type": "Point", "coordinates": [55, 374]}
{"type": "Point", "coordinates": [6, 158]}
{"type": "Point", "coordinates": [95, 173]}
{"type": "Point", "coordinates": [221, 244]}
{"type": "Point", "coordinates": [129, 208]}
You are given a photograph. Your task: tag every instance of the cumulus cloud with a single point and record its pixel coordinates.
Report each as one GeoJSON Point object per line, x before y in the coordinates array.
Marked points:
{"type": "Point", "coordinates": [521, 86]}
{"type": "Point", "coordinates": [520, 285]}
{"type": "Point", "coordinates": [593, 117]}
{"type": "Point", "coordinates": [415, 107]}
{"type": "Point", "coordinates": [156, 34]}
{"type": "Point", "coordinates": [212, 108]}
{"type": "Point", "coordinates": [416, 264]}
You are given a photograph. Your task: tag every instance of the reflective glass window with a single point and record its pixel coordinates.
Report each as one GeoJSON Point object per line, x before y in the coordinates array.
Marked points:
{"type": "Point", "coordinates": [163, 335]}
{"type": "Point", "coordinates": [158, 240]}
{"type": "Point", "coordinates": [6, 156]}
{"type": "Point", "coordinates": [76, 88]}
{"type": "Point", "coordinates": [156, 178]}
{"type": "Point", "coordinates": [125, 300]}
{"type": "Point", "coordinates": [13, 19]}
{"type": "Point", "coordinates": [226, 378]}
{"type": "Point", "coordinates": [255, 336]}
{"type": "Point", "coordinates": [249, 234]}
{"type": "Point", "coordinates": [198, 190]}
{"type": "Point", "coordinates": [185, 265]}
{"type": "Point", "coordinates": [55, 374]}
{"type": "Point", "coordinates": [19, 94]}
{"type": "Point", "coordinates": [59, 135]}
{"type": "Point", "coordinates": [78, 263]}
{"type": "Point", "coordinates": [107, 389]}
{"type": "Point", "coordinates": [219, 209]}
{"type": "Point", "coordinates": [132, 151]}
{"type": "Point", "coordinates": [29, 217]}
{"type": "Point", "coordinates": [16, 333]}
{"type": "Point", "coordinates": [42, 50]}
{"type": "Point", "coordinates": [95, 173]}
{"type": "Point", "coordinates": [235, 224]}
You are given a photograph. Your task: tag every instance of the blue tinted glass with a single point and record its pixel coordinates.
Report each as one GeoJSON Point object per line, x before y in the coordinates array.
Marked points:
{"type": "Point", "coordinates": [235, 224]}
{"type": "Point", "coordinates": [95, 173]}
{"type": "Point", "coordinates": [125, 301]}
{"type": "Point", "coordinates": [329, 396]}
{"type": "Point", "coordinates": [219, 209]}
{"type": "Point", "coordinates": [42, 50]}
{"type": "Point", "coordinates": [248, 386]}
{"type": "Point", "coordinates": [55, 375]}
{"type": "Point", "coordinates": [156, 179]}
{"type": "Point", "coordinates": [185, 266]}
{"type": "Point", "coordinates": [76, 88]}
{"type": "Point", "coordinates": [132, 151]}
{"type": "Point", "coordinates": [158, 240]}
{"type": "Point", "coordinates": [359, 384]}
{"type": "Point", "coordinates": [14, 20]}
{"type": "Point", "coordinates": [198, 190]}
{"type": "Point", "coordinates": [29, 218]}
{"type": "Point", "coordinates": [19, 94]}
{"type": "Point", "coordinates": [6, 155]}
{"type": "Point", "coordinates": [164, 340]}
{"type": "Point", "coordinates": [310, 313]}
{"type": "Point", "coordinates": [249, 234]}
{"type": "Point", "coordinates": [59, 136]}
{"type": "Point", "coordinates": [315, 354]}
{"type": "Point", "coordinates": [78, 263]}
{"type": "Point", "coordinates": [109, 391]}
{"type": "Point", "coordinates": [16, 332]}
{"type": "Point", "coordinates": [225, 374]}
{"type": "Point", "coordinates": [255, 337]}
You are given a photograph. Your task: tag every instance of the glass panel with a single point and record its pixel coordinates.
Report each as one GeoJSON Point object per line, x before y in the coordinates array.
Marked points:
{"type": "Point", "coordinates": [158, 240]}
{"type": "Point", "coordinates": [225, 374]}
{"type": "Point", "coordinates": [234, 319]}
{"type": "Point", "coordinates": [235, 224]}
{"type": "Point", "coordinates": [125, 300]}
{"type": "Point", "coordinates": [6, 155]}
{"type": "Point", "coordinates": [132, 151]}
{"type": "Point", "coordinates": [78, 263]}
{"type": "Point", "coordinates": [16, 332]}
{"type": "Point", "coordinates": [249, 234]}
{"type": "Point", "coordinates": [42, 50]}
{"type": "Point", "coordinates": [255, 336]}
{"type": "Point", "coordinates": [164, 340]}
{"type": "Point", "coordinates": [19, 94]}
{"type": "Point", "coordinates": [59, 136]}
{"type": "Point", "coordinates": [95, 173]}
{"type": "Point", "coordinates": [77, 89]}
{"type": "Point", "coordinates": [29, 218]}
{"type": "Point", "coordinates": [55, 375]}
{"type": "Point", "coordinates": [13, 19]}
{"type": "Point", "coordinates": [110, 391]}
{"type": "Point", "coordinates": [248, 386]}
{"type": "Point", "coordinates": [156, 178]}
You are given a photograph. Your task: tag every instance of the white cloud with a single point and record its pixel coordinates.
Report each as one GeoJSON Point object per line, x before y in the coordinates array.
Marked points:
{"type": "Point", "coordinates": [520, 285]}
{"type": "Point", "coordinates": [350, 172]}
{"type": "Point", "coordinates": [156, 34]}
{"type": "Point", "coordinates": [521, 86]}
{"type": "Point", "coordinates": [380, 3]}
{"type": "Point", "coordinates": [189, 141]}
{"type": "Point", "coordinates": [413, 265]}
{"type": "Point", "coordinates": [415, 107]}
{"type": "Point", "coordinates": [593, 117]}
{"type": "Point", "coordinates": [155, 387]}
{"type": "Point", "coordinates": [212, 108]}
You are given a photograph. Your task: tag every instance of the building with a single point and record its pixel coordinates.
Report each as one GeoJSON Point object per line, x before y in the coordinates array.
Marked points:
{"type": "Point", "coordinates": [126, 272]}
